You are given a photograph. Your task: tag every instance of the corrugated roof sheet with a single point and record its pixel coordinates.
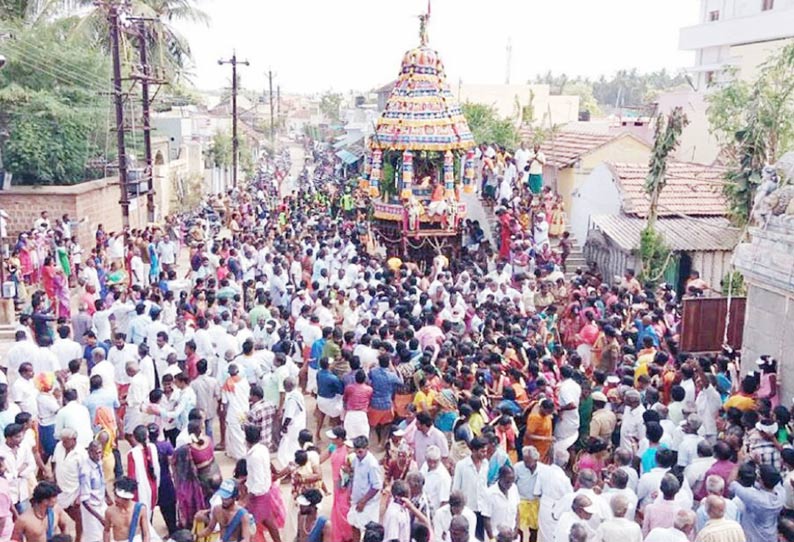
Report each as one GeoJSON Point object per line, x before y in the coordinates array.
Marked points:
{"type": "Point", "coordinates": [680, 234]}
{"type": "Point", "coordinates": [565, 148]}
{"type": "Point", "coordinates": [691, 189]}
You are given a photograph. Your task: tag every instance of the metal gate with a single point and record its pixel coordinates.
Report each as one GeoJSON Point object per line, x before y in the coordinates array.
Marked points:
{"type": "Point", "coordinates": [703, 323]}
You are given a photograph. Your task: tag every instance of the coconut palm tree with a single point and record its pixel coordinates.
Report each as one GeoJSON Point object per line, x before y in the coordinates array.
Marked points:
{"type": "Point", "coordinates": [170, 51]}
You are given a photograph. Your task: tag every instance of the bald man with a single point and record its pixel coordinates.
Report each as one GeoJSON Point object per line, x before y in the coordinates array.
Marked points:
{"type": "Point", "coordinates": [718, 528]}
{"type": "Point", "coordinates": [619, 528]}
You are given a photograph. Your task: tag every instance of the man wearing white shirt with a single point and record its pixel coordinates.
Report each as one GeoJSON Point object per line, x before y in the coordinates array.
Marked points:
{"type": "Point", "coordinates": [500, 505]}
{"type": "Point", "coordinates": [437, 479]}
{"type": "Point", "coordinates": [77, 381]}
{"type": "Point", "coordinates": [683, 524]}
{"type": "Point", "coordinates": [471, 476]}
{"type": "Point", "coordinates": [64, 348]}
{"type": "Point", "coordinates": [118, 356]}
{"type": "Point", "coordinates": [618, 528]}
{"type": "Point", "coordinates": [46, 361]}
{"type": "Point", "coordinates": [73, 415]}
{"type": "Point", "coordinates": [259, 481]}
{"type": "Point", "coordinates": [105, 370]}
{"type": "Point", "coordinates": [166, 248]}
{"type": "Point", "coordinates": [456, 507]}
{"type": "Point", "coordinates": [24, 392]}
{"type": "Point", "coordinates": [21, 351]}
{"type": "Point", "coordinates": [687, 448]}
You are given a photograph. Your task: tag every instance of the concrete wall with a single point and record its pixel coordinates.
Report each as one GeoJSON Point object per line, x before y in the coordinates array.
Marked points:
{"type": "Point", "coordinates": [598, 195]}
{"type": "Point", "coordinates": [697, 144]}
{"type": "Point", "coordinates": [97, 201]}
{"type": "Point", "coordinates": [768, 325]}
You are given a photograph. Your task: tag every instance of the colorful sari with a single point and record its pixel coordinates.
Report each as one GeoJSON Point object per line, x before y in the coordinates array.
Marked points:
{"type": "Point", "coordinates": [189, 493]}
{"type": "Point", "coordinates": [341, 532]}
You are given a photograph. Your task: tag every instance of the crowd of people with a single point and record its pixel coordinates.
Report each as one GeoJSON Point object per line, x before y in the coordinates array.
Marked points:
{"type": "Point", "coordinates": [493, 397]}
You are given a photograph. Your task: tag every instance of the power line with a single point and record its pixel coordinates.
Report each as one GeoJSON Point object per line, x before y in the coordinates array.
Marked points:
{"type": "Point", "coordinates": [59, 77]}
{"type": "Point", "coordinates": [59, 73]}
{"type": "Point", "coordinates": [49, 58]}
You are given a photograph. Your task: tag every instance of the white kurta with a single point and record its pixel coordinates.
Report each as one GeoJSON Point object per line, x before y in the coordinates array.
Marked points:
{"type": "Point", "coordinates": [236, 402]}
{"type": "Point", "coordinates": [137, 395]}
{"type": "Point", "coordinates": [567, 430]}
{"type": "Point", "coordinates": [551, 486]}
{"type": "Point", "coordinates": [295, 411]}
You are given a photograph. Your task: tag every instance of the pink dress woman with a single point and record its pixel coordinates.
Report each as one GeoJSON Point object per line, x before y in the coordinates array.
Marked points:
{"type": "Point", "coordinates": [341, 532]}
{"type": "Point", "coordinates": [61, 290]}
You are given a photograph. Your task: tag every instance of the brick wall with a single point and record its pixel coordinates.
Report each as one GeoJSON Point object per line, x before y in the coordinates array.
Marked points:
{"type": "Point", "coordinates": [98, 201]}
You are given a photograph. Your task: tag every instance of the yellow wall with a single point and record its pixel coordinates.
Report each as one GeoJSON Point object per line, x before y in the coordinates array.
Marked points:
{"type": "Point", "coordinates": [624, 149]}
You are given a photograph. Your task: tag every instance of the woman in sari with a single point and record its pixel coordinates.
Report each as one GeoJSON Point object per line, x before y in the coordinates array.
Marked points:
{"type": "Point", "coordinates": [189, 492]}
{"type": "Point", "coordinates": [202, 454]}
{"type": "Point", "coordinates": [557, 219]}
{"type": "Point", "coordinates": [341, 473]}
{"type": "Point", "coordinates": [402, 463]}
{"type": "Point", "coordinates": [25, 260]}
{"type": "Point", "coordinates": [106, 431]}
{"type": "Point", "coordinates": [48, 273]}
{"type": "Point", "coordinates": [61, 290]}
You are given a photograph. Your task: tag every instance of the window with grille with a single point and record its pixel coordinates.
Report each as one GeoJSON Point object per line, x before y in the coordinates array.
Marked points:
{"type": "Point", "coordinates": [714, 16]}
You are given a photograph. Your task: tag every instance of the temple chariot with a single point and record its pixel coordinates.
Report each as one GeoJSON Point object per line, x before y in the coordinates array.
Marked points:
{"type": "Point", "coordinates": [420, 159]}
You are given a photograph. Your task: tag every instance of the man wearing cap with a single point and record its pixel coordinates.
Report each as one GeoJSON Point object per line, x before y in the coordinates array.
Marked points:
{"type": "Point", "coordinates": [125, 520]}
{"type": "Point", "coordinates": [231, 518]}
{"type": "Point", "coordinates": [583, 512]}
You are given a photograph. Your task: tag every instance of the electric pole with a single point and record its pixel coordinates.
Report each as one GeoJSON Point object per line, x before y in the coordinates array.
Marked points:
{"type": "Point", "coordinates": [234, 62]}
{"type": "Point", "coordinates": [272, 121]}
{"type": "Point", "coordinates": [113, 19]}
{"type": "Point", "coordinates": [145, 79]}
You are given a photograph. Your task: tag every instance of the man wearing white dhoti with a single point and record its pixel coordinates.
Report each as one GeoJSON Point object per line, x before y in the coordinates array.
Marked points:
{"type": "Point", "coordinates": [567, 430]}
{"type": "Point", "coordinates": [551, 485]}
{"type": "Point", "coordinates": [292, 422]}
{"type": "Point", "coordinates": [234, 396]}
{"type": "Point", "coordinates": [93, 494]}
{"type": "Point", "coordinates": [137, 396]}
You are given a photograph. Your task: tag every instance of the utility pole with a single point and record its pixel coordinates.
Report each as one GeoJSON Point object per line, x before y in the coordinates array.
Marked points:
{"type": "Point", "coordinates": [113, 19]}
{"type": "Point", "coordinates": [278, 104]}
{"type": "Point", "coordinates": [145, 79]}
{"type": "Point", "coordinates": [272, 121]}
{"type": "Point", "coordinates": [235, 143]}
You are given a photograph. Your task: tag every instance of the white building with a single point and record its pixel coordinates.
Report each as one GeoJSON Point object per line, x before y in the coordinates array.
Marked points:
{"type": "Point", "coordinates": [733, 39]}
{"type": "Point", "coordinates": [736, 34]}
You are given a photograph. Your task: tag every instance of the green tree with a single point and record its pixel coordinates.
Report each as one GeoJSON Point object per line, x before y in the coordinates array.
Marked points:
{"type": "Point", "coordinates": [169, 49]}
{"type": "Point", "coordinates": [52, 113]}
{"type": "Point", "coordinates": [219, 153]}
{"type": "Point", "coordinates": [487, 127]}
{"type": "Point", "coordinates": [654, 254]}
{"type": "Point", "coordinates": [330, 103]}
{"type": "Point", "coordinates": [754, 122]}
